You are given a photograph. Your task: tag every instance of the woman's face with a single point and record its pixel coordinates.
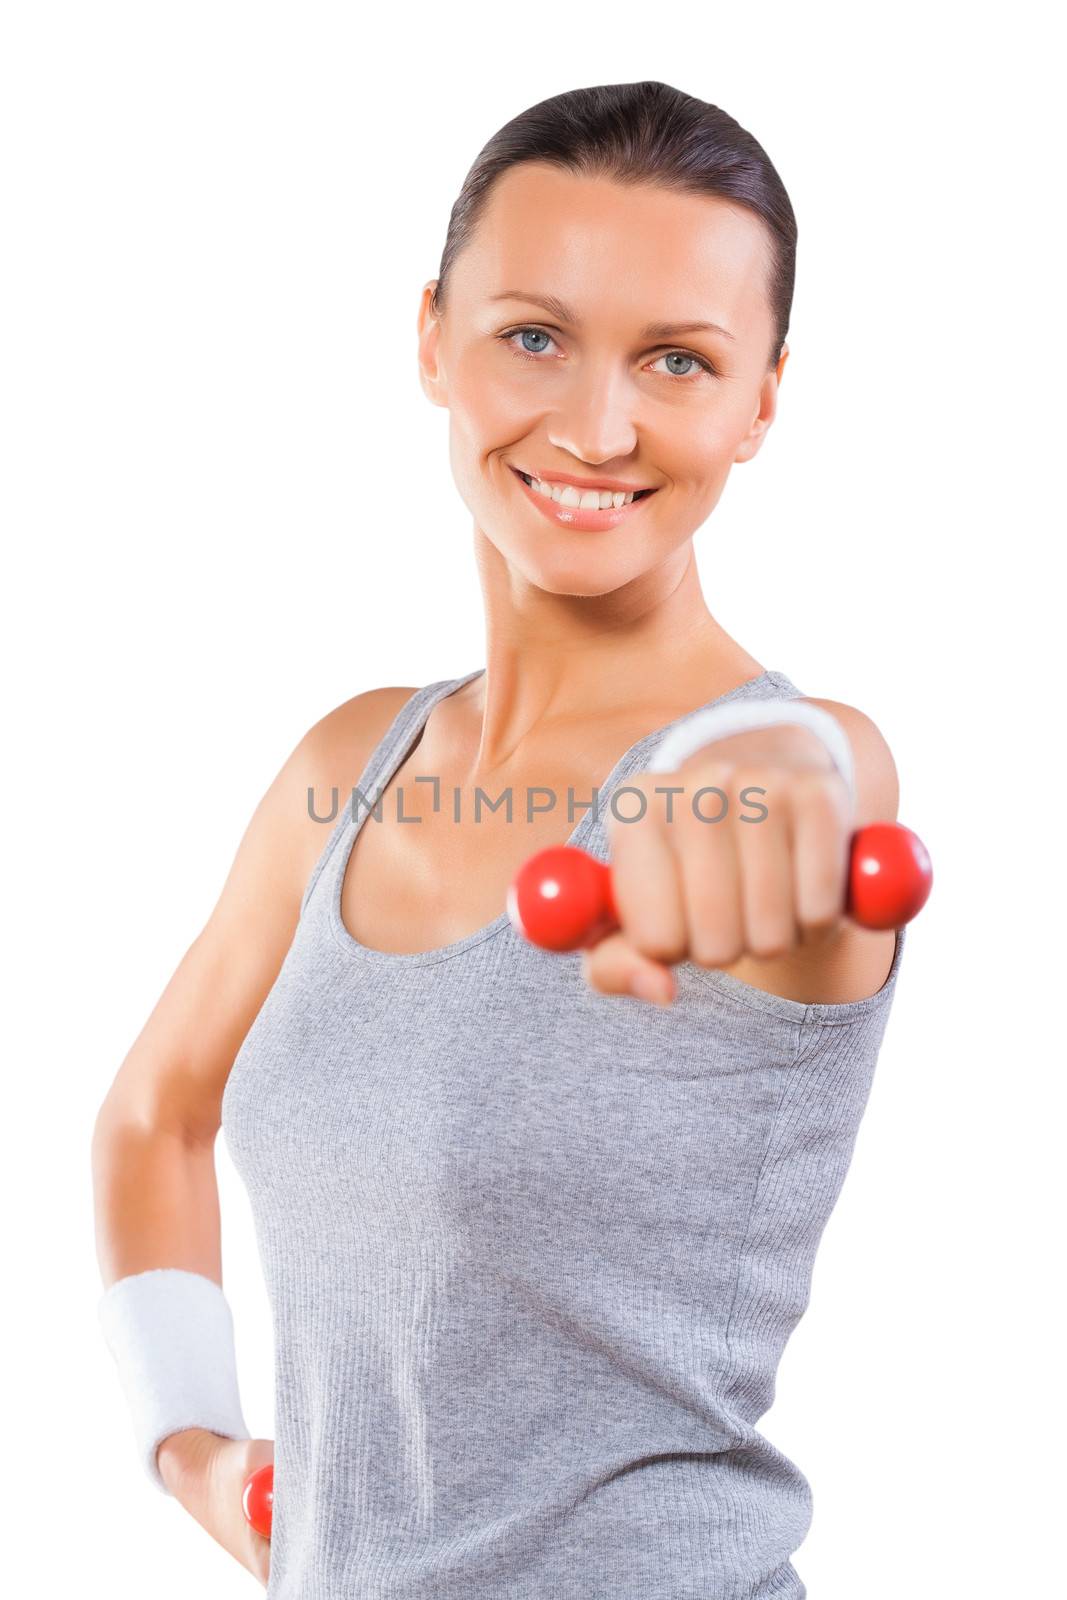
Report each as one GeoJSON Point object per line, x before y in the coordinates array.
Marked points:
{"type": "Point", "coordinates": [583, 387]}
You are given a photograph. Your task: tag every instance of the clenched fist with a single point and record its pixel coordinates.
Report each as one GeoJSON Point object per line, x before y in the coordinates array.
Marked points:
{"type": "Point", "coordinates": [746, 855]}
{"type": "Point", "coordinates": [205, 1473]}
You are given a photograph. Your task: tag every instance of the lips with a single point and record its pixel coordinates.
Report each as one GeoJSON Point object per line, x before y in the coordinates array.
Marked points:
{"type": "Point", "coordinates": [638, 494]}
{"type": "Point", "coordinates": [610, 488]}
{"type": "Point", "coordinates": [582, 485]}
{"type": "Point", "coordinates": [578, 518]}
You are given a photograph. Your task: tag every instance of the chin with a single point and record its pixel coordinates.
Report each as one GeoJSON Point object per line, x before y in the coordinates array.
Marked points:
{"type": "Point", "coordinates": [583, 576]}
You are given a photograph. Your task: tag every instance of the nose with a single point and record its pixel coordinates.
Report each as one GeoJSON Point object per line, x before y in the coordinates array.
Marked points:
{"type": "Point", "coordinates": [595, 419]}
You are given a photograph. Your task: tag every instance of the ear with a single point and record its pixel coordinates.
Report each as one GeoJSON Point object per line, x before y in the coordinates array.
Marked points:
{"type": "Point", "coordinates": [765, 414]}
{"type": "Point", "coordinates": [430, 374]}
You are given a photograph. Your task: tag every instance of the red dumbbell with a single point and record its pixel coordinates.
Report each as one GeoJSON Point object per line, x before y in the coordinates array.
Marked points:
{"type": "Point", "coordinates": [561, 899]}
{"type": "Point", "coordinates": [257, 1499]}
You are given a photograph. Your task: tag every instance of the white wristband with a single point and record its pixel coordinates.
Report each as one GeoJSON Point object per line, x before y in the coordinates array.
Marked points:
{"type": "Point", "coordinates": [171, 1334]}
{"type": "Point", "coordinates": [740, 716]}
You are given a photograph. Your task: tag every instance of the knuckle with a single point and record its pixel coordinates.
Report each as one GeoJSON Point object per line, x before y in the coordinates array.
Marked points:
{"type": "Point", "coordinates": [751, 776]}
{"type": "Point", "coordinates": [704, 820]}
{"type": "Point", "coordinates": [717, 773]}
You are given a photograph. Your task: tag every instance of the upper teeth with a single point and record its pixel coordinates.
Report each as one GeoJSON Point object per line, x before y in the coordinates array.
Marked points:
{"type": "Point", "coordinates": [583, 499]}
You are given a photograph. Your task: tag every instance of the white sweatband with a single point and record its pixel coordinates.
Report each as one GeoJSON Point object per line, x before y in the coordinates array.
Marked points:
{"type": "Point", "coordinates": [741, 716]}
{"type": "Point", "coordinates": [171, 1334]}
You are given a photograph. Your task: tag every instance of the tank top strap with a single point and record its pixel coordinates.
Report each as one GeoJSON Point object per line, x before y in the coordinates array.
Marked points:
{"type": "Point", "coordinates": [401, 732]}
{"type": "Point", "coordinates": [382, 762]}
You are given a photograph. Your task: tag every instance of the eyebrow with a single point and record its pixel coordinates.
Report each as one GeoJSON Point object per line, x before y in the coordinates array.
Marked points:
{"type": "Point", "coordinates": [654, 330]}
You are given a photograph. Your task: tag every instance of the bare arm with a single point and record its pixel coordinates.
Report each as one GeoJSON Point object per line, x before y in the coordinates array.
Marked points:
{"type": "Point", "coordinates": [153, 1166]}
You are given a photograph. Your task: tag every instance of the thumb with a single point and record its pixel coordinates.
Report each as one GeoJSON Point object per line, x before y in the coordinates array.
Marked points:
{"type": "Point", "coordinates": [614, 966]}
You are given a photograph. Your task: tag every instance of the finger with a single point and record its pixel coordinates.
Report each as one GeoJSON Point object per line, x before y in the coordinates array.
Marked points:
{"type": "Point", "coordinates": [646, 884]}
{"type": "Point", "coordinates": [821, 831]}
{"type": "Point", "coordinates": [764, 849]}
{"type": "Point", "coordinates": [711, 884]}
{"type": "Point", "coordinates": [614, 966]}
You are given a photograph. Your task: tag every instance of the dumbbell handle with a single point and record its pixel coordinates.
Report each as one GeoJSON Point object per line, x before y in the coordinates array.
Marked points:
{"type": "Point", "coordinates": [562, 898]}
{"type": "Point", "coordinates": [257, 1499]}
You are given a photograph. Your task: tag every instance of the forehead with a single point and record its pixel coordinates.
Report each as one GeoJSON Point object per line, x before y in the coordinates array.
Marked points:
{"type": "Point", "coordinates": [618, 251]}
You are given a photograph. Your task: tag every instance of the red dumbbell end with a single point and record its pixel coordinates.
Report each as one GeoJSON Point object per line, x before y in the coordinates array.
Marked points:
{"type": "Point", "coordinates": [561, 899]}
{"type": "Point", "coordinates": [257, 1499]}
{"type": "Point", "coordinates": [890, 876]}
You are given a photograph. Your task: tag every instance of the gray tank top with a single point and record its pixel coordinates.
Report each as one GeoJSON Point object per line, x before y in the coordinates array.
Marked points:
{"type": "Point", "coordinates": [533, 1253]}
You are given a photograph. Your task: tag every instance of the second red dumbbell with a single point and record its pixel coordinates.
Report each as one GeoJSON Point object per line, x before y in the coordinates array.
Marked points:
{"type": "Point", "coordinates": [257, 1499]}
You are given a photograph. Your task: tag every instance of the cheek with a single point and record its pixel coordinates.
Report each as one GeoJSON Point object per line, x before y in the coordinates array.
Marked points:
{"type": "Point", "coordinates": [697, 451]}
{"type": "Point", "coordinates": [488, 406]}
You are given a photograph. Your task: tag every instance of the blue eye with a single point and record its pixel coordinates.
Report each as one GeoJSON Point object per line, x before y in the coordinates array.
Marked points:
{"type": "Point", "coordinates": [526, 354]}
{"type": "Point", "coordinates": [538, 333]}
{"type": "Point", "coordinates": [683, 355]}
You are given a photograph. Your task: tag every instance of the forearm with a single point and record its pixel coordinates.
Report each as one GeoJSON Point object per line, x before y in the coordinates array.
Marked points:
{"type": "Point", "coordinates": [165, 1316]}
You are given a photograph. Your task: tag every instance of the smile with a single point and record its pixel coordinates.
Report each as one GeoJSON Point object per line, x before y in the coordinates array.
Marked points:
{"type": "Point", "coordinates": [565, 494]}
{"type": "Point", "coordinates": [587, 510]}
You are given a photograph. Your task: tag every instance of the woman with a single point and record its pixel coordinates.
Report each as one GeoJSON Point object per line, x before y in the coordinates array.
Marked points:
{"type": "Point", "coordinates": [533, 1254]}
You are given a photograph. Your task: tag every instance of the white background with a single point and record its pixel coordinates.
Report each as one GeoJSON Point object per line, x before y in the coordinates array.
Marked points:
{"type": "Point", "coordinates": [227, 507]}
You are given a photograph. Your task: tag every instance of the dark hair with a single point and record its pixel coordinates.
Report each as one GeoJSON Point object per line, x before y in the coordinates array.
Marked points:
{"type": "Point", "coordinates": [639, 133]}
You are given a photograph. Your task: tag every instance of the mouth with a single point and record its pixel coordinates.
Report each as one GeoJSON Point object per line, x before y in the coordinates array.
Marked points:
{"type": "Point", "coordinates": [579, 499]}
{"type": "Point", "coordinates": [587, 508]}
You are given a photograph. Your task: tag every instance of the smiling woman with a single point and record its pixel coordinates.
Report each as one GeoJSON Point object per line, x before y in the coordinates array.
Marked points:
{"type": "Point", "coordinates": [534, 1253]}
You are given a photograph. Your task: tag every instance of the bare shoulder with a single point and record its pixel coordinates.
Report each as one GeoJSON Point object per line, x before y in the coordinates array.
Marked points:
{"type": "Point", "coordinates": [877, 783]}
{"type": "Point", "coordinates": [332, 756]}
{"type": "Point", "coordinates": [175, 1073]}
{"type": "Point", "coordinates": [336, 748]}
{"type": "Point", "coordinates": [288, 830]}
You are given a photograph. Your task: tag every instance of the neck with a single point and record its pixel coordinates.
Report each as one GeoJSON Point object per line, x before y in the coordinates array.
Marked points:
{"type": "Point", "coordinates": [643, 654]}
